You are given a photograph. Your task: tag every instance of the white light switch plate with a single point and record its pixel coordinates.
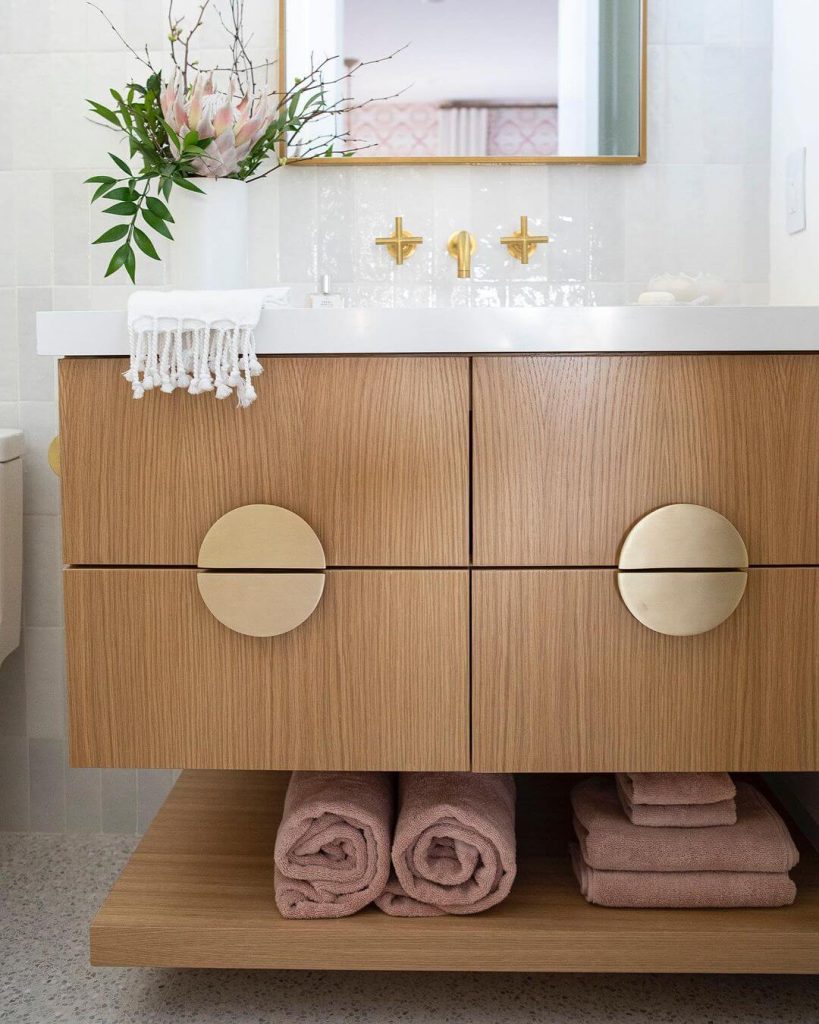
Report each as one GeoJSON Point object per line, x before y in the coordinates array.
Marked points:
{"type": "Point", "coordinates": [795, 214]}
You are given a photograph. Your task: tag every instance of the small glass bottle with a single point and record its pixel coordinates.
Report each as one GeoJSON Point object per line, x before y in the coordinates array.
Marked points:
{"type": "Point", "coordinates": [324, 298]}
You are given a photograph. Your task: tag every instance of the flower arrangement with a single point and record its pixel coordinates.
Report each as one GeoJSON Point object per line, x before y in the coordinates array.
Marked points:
{"type": "Point", "coordinates": [219, 122]}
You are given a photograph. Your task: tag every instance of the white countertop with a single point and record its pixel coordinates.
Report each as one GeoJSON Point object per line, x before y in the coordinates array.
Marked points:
{"type": "Point", "coordinates": [552, 329]}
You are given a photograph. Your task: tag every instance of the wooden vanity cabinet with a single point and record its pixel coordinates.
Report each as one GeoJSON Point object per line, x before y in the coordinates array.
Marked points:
{"type": "Point", "coordinates": [376, 679]}
{"type": "Point", "coordinates": [570, 451]}
{"type": "Point", "coordinates": [567, 452]}
{"type": "Point", "coordinates": [565, 679]}
{"type": "Point", "coordinates": [371, 452]}
{"type": "Point", "coordinates": [515, 653]}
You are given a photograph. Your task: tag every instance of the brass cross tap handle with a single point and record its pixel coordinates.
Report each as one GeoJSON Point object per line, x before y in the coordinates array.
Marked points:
{"type": "Point", "coordinates": [521, 244]}
{"type": "Point", "coordinates": [400, 245]}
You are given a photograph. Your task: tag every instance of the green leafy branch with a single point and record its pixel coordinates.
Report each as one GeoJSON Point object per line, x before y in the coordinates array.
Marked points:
{"type": "Point", "coordinates": [166, 161]}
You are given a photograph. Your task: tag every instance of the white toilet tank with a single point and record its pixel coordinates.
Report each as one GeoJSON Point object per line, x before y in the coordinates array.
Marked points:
{"type": "Point", "coordinates": [11, 539]}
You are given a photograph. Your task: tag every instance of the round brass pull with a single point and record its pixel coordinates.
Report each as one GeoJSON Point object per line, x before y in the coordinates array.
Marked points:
{"type": "Point", "coordinates": [261, 603]}
{"type": "Point", "coordinates": [682, 570]}
{"type": "Point", "coordinates": [54, 455]}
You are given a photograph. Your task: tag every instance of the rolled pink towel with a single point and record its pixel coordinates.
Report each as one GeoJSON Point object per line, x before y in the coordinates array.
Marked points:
{"type": "Point", "coordinates": [395, 902]}
{"type": "Point", "coordinates": [454, 845]}
{"type": "Point", "coordinates": [679, 889]}
{"type": "Point", "coordinates": [332, 854]}
{"type": "Point", "coordinates": [666, 788]}
{"type": "Point", "coordinates": [759, 841]}
{"type": "Point", "coordinates": [723, 812]}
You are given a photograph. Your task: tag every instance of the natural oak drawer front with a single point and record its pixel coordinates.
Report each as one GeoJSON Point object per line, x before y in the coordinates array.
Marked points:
{"type": "Point", "coordinates": [372, 452]}
{"type": "Point", "coordinates": [375, 679]}
{"type": "Point", "coordinates": [570, 451]}
{"type": "Point", "coordinates": [565, 679]}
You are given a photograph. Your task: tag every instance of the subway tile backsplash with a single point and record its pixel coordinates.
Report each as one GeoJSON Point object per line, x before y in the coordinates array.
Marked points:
{"type": "Point", "coordinates": [701, 204]}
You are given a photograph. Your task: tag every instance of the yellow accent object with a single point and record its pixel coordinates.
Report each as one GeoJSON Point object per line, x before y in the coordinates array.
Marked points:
{"type": "Point", "coordinates": [682, 570]}
{"type": "Point", "coordinates": [261, 604]}
{"type": "Point", "coordinates": [262, 537]}
{"type": "Point", "coordinates": [399, 244]}
{"type": "Point", "coordinates": [521, 244]}
{"type": "Point", "coordinates": [54, 455]}
{"type": "Point", "coordinates": [462, 247]}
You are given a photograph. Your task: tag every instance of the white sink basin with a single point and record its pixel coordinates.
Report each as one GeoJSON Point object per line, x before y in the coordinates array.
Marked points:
{"type": "Point", "coordinates": [552, 329]}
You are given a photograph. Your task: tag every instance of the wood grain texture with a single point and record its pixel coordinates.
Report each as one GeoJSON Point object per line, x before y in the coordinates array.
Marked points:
{"type": "Point", "coordinates": [198, 892]}
{"type": "Point", "coordinates": [370, 451]}
{"type": "Point", "coordinates": [375, 679]}
{"type": "Point", "coordinates": [565, 679]}
{"type": "Point", "coordinates": [570, 451]}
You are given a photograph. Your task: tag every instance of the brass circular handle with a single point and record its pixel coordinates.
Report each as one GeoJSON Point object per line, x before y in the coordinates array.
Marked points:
{"type": "Point", "coordinates": [54, 455]}
{"type": "Point", "coordinates": [682, 570]}
{"type": "Point", "coordinates": [289, 581]}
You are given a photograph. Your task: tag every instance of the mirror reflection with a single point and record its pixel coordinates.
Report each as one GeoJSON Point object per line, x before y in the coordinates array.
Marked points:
{"type": "Point", "coordinates": [520, 80]}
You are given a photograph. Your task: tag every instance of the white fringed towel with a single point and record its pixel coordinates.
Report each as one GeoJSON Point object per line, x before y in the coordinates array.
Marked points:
{"type": "Point", "coordinates": [197, 340]}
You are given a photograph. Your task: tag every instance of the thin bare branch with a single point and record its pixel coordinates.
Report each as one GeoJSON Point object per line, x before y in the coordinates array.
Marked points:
{"type": "Point", "coordinates": [173, 34]}
{"type": "Point", "coordinates": [304, 134]}
{"type": "Point", "coordinates": [234, 68]}
{"type": "Point", "coordinates": [186, 64]}
{"type": "Point", "coordinates": [237, 8]}
{"type": "Point", "coordinates": [142, 60]}
{"type": "Point", "coordinates": [350, 146]}
{"type": "Point", "coordinates": [310, 80]}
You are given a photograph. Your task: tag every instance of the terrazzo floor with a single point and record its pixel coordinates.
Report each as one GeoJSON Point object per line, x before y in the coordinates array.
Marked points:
{"type": "Point", "coordinates": [51, 885]}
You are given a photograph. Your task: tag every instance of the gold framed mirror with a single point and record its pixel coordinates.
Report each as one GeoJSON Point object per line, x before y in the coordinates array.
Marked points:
{"type": "Point", "coordinates": [471, 81]}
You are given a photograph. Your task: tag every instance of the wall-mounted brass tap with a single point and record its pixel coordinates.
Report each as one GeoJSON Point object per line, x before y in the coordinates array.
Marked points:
{"type": "Point", "coordinates": [400, 245]}
{"type": "Point", "coordinates": [462, 247]}
{"type": "Point", "coordinates": [521, 244]}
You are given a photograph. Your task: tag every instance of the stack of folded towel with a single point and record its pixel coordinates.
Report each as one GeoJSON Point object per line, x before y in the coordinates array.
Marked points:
{"type": "Point", "coordinates": [622, 863]}
{"type": "Point", "coordinates": [453, 850]}
{"type": "Point", "coordinates": [678, 799]}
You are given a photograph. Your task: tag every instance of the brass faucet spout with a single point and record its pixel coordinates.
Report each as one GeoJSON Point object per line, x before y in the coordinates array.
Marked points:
{"type": "Point", "coordinates": [462, 248]}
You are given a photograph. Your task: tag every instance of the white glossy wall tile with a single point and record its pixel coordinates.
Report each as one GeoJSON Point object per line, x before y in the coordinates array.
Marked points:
{"type": "Point", "coordinates": [701, 203]}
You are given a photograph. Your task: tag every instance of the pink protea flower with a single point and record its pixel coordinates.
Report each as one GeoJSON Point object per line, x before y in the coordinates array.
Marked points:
{"type": "Point", "coordinates": [233, 121]}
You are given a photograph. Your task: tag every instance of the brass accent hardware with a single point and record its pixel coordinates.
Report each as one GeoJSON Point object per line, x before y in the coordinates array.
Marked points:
{"type": "Point", "coordinates": [261, 537]}
{"type": "Point", "coordinates": [683, 537]}
{"type": "Point", "coordinates": [399, 244]}
{"type": "Point", "coordinates": [462, 247]}
{"type": "Point", "coordinates": [261, 603]}
{"type": "Point", "coordinates": [521, 244]}
{"type": "Point", "coordinates": [682, 570]}
{"type": "Point", "coordinates": [682, 603]}
{"type": "Point", "coordinates": [54, 455]}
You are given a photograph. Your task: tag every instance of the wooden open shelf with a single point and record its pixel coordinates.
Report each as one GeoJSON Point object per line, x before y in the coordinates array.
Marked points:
{"type": "Point", "coordinates": [198, 892]}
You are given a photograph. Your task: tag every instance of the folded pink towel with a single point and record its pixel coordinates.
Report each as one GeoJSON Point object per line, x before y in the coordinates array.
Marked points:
{"type": "Point", "coordinates": [680, 889]}
{"type": "Point", "coordinates": [332, 854]}
{"type": "Point", "coordinates": [677, 787]}
{"type": "Point", "coordinates": [759, 841]}
{"type": "Point", "coordinates": [454, 845]}
{"type": "Point", "coordinates": [724, 812]}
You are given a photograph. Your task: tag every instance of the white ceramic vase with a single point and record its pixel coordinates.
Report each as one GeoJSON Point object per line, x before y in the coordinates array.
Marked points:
{"type": "Point", "coordinates": [210, 247]}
